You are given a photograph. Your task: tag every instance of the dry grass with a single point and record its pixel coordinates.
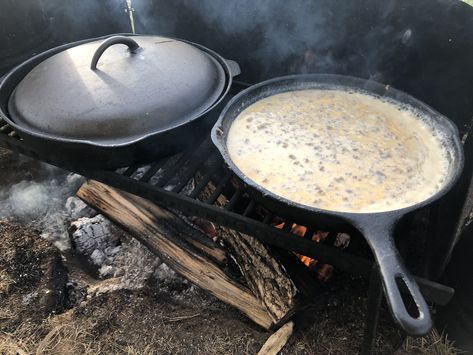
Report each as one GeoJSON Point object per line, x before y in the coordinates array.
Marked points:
{"type": "Point", "coordinates": [65, 338]}
{"type": "Point", "coordinates": [6, 283]}
{"type": "Point", "coordinates": [131, 350]}
{"type": "Point", "coordinates": [6, 314]}
{"type": "Point", "coordinates": [432, 344]}
{"type": "Point", "coordinates": [154, 320]}
{"type": "Point", "coordinates": [66, 334]}
{"type": "Point", "coordinates": [22, 341]}
{"type": "Point", "coordinates": [10, 346]}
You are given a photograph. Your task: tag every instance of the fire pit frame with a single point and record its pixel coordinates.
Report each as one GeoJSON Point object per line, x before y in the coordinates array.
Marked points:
{"type": "Point", "coordinates": [186, 166]}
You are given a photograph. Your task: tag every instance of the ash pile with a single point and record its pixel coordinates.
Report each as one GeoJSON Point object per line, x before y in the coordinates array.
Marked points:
{"type": "Point", "coordinates": [100, 257]}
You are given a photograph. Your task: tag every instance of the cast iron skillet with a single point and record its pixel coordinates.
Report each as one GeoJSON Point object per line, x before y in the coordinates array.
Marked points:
{"type": "Point", "coordinates": [377, 228]}
{"type": "Point", "coordinates": [89, 154]}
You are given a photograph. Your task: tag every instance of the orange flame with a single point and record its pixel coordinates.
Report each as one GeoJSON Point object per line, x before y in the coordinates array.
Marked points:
{"type": "Point", "coordinates": [324, 271]}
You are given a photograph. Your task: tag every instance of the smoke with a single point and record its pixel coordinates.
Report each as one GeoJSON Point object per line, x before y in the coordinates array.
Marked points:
{"type": "Point", "coordinates": [41, 203]}
{"type": "Point", "coordinates": [284, 26]}
{"type": "Point", "coordinates": [277, 37]}
{"type": "Point", "coordinates": [267, 37]}
{"type": "Point", "coordinates": [71, 20]}
{"type": "Point", "coordinates": [26, 199]}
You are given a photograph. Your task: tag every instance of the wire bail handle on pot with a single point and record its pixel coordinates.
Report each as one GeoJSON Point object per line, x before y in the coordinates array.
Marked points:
{"type": "Point", "coordinates": [132, 45]}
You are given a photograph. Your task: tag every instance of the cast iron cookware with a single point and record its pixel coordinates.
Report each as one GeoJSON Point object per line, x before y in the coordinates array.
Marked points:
{"type": "Point", "coordinates": [115, 101]}
{"type": "Point", "coordinates": [377, 228]}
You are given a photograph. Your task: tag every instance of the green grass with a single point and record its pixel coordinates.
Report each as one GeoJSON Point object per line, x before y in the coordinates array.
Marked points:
{"type": "Point", "coordinates": [470, 2]}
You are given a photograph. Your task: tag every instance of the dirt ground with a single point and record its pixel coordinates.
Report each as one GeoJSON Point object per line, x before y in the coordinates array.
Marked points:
{"type": "Point", "coordinates": [50, 303]}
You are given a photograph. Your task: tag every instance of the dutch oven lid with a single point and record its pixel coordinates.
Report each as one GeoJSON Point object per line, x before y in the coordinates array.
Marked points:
{"type": "Point", "coordinates": [106, 93]}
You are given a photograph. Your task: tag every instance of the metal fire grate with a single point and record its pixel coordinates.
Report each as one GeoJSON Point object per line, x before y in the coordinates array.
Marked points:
{"type": "Point", "coordinates": [169, 183]}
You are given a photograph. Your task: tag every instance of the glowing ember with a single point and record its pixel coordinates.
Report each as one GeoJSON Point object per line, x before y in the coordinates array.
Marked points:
{"type": "Point", "coordinates": [324, 271]}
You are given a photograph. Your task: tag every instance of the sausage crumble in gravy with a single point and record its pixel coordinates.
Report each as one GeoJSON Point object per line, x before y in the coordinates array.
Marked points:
{"type": "Point", "coordinates": [338, 150]}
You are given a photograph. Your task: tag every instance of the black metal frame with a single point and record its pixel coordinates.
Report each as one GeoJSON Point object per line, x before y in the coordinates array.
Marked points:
{"type": "Point", "coordinates": [210, 165]}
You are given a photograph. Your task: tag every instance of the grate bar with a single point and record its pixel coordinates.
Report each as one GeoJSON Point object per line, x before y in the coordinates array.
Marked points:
{"type": "Point", "coordinates": [288, 225]}
{"type": "Point", "coordinates": [249, 208]}
{"type": "Point", "coordinates": [264, 232]}
{"type": "Point", "coordinates": [234, 199]}
{"type": "Point", "coordinates": [203, 183]}
{"type": "Point", "coordinates": [309, 233]}
{"type": "Point", "coordinates": [191, 171]}
{"type": "Point", "coordinates": [219, 188]}
{"type": "Point", "coordinates": [130, 170]}
{"type": "Point", "coordinates": [268, 218]}
{"type": "Point", "coordinates": [152, 170]}
{"type": "Point", "coordinates": [169, 174]}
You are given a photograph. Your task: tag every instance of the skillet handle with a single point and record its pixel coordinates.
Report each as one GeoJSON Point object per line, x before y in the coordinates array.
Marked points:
{"type": "Point", "coordinates": [128, 41]}
{"type": "Point", "coordinates": [394, 276]}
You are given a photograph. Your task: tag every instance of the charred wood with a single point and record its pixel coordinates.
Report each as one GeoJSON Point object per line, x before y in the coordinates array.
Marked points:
{"type": "Point", "coordinates": [170, 238]}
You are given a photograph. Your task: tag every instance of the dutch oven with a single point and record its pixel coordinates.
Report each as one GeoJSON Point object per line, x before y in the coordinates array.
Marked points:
{"type": "Point", "coordinates": [115, 101]}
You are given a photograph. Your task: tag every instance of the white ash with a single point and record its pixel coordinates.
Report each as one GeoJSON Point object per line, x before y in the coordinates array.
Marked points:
{"type": "Point", "coordinates": [164, 272]}
{"type": "Point", "coordinates": [155, 178]}
{"type": "Point", "coordinates": [76, 208]}
{"type": "Point", "coordinates": [29, 297]}
{"type": "Point", "coordinates": [98, 257]}
{"type": "Point", "coordinates": [106, 270]}
{"type": "Point", "coordinates": [186, 190]}
{"type": "Point", "coordinates": [135, 264]}
{"type": "Point", "coordinates": [138, 174]}
{"type": "Point", "coordinates": [116, 254]}
{"type": "Point", "coordinates": [95, 238]}
{"type": "Point", "coordinates": [53, 227]}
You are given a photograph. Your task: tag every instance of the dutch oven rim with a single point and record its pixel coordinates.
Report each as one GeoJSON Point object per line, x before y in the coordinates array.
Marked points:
{"type": "Point", "coordinates": [34, 61]}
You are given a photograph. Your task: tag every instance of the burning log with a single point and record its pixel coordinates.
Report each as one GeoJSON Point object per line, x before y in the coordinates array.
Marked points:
{"type": "Point", "coordinates": [264, 275]}
{"type": "Point", "coordinates": [275, 276]}
{"type": "Point", "coordinates": [191, 254]}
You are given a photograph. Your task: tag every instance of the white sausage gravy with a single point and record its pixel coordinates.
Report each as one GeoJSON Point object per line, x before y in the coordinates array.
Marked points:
{"type": "Point", "coordinates": [338, 150]}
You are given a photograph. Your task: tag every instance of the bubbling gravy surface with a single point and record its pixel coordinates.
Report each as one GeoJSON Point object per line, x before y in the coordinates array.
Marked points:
{"type": "Point", "coordinates": [338, 150]}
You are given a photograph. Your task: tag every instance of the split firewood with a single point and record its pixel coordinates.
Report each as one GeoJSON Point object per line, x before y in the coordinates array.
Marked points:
{"type": "Point", "coordinates": [163, 233]}
{"type": "Point", "coordinates": [264, 275]}
{"type": "Point", "coordinates": [278, 340]}
{"type": "Point", "coordinates": [269, 272]}
{"type": "Point", "coordinates": [277, 277]}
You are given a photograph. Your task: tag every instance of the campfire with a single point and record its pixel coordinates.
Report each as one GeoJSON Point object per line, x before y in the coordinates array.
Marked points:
{"type": "Point", "coordinates": [288, 152]}
{"type": "Point", "coordinates": [273, 283]}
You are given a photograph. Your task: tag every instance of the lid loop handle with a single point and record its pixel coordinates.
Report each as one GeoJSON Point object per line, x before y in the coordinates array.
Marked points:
{"type": "Point", "coordinates": [128, 41]}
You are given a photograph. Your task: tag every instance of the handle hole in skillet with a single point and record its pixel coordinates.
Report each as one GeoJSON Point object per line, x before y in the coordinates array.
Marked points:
{"type": "Point", "coordinates": [407, 299]}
